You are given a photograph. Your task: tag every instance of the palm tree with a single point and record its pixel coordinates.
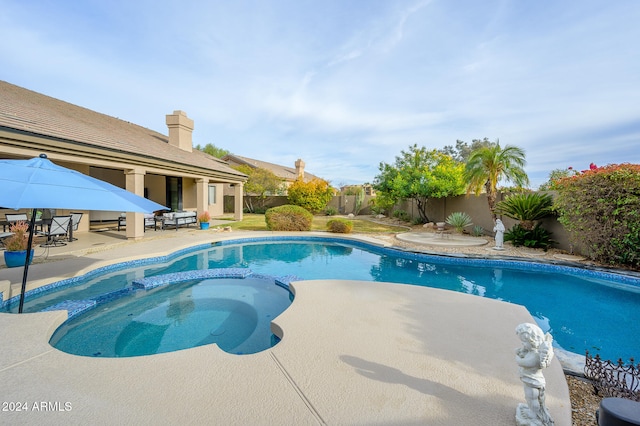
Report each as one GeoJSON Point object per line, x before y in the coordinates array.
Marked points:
{"type": "Point", "coordinates": [488, 165]}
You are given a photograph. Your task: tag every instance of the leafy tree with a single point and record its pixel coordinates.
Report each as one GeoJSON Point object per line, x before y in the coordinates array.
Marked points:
{"type": "Point", "coordinates": [213, 150]}
{"type": "Point", "coordinates": [261, 183]}
{"type": "Point", "coordinates": [313, 195]}
{"type": "Point", "coordinates": [555, 176]}
{"type": "Point", "coordinates": [600, 208]}
{"type": "Point", "coordinates": [419, 174]}
{"type": "Point", "coordinates": [463, 150]}
{"type": "Point", "coordinates": [490, 164]}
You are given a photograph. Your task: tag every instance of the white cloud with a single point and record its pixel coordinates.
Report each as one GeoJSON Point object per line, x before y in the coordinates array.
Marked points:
{"type": "Point", "coordinates": [347, 87]}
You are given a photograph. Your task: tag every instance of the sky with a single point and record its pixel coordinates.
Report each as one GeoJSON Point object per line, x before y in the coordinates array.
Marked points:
{"type": "Point", "coordinates": [346, 84]}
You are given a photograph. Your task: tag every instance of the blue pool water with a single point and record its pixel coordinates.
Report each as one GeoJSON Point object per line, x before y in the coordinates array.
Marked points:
{"type": "Point", "coordinates": [233, 313]}
{"type": "Point", "coordinates": [584, 310]}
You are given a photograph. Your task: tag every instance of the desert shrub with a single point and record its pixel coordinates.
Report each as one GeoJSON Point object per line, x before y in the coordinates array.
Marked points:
{"type": "Point", "coordinates": [600, 209]}
{"type": "Point", "coordinates": [538, 237]}
{"type": "Point", "coordinates": [331, 211]}
{"type": "Point", "coordinates": [340, 226]}
{"type": "Point", "coordinates": [381, 204]}
{"type": "Point", "coordinates": [477, 231]}
{"type": "Point", "coordinates": [459, 220]}
{"type": "Point", "coordinates": [402, 215]}
{"type": "Point", "coordinates": [288, 218]}
{"type": "Point", "coordinates": [358, 203]}
{"type": "Point", "coordinates": [526, 207]}
{"type": "Point", "coordinates": [313, 195]}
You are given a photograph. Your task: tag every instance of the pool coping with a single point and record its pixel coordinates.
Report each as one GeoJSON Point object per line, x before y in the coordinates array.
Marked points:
{"type": "Point", "coordinates": [573, 363]}
{"type": "Point", "coordinates": [352, 352]}
{"type": "Point", "coordinates": [295, 395]}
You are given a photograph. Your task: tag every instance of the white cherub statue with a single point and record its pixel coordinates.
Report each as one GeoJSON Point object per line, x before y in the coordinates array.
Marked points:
{"type": "Point", "coordinates": [535, 354]}
{"type": "Point", "coordinates": [499, 230]}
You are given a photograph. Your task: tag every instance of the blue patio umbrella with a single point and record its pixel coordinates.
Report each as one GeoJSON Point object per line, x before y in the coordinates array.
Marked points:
{"type": "Point", "coordinates": [39, 183]}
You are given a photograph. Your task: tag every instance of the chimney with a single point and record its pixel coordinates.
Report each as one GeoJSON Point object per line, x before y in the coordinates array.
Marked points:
{"type": "Point", "coordinates": [300, 169]}
{"type": "Point", "coordinates": [180, 129]}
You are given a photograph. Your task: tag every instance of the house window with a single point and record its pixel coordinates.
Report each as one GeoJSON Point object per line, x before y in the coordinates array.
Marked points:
{"type": "Point", "coordinates": [212, 194]}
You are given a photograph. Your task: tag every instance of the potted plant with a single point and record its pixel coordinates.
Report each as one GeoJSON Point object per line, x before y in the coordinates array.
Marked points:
{"type": "Point", "coordinates": [204, 219]}
{"type": "Point", "coordinates": [16, 245]}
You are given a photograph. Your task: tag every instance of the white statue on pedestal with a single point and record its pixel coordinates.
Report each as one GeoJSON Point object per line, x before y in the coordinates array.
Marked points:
{"type": "Point", "coordinates": [535, 354]}
{"type": "Point", "coordinates": [499, 230]}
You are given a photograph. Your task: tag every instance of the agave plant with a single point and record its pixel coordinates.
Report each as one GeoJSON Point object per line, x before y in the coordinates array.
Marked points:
{"type": "Point", "coordinates": [526, 207]}
{"type": "Point", "coordinates": [477, 231]}
{"type": "Point", "coordinates": [459, 220]}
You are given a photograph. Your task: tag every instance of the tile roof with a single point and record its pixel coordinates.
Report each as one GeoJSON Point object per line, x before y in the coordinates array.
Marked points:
{"type": "Point", "coordinates": [284, 172]}
{"type": "Point", "coordinates": [35, 113]}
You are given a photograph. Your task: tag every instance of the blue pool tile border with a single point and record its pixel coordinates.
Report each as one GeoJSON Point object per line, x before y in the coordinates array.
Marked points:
{"type": "Point", "coordinates": [77, 307]}
{"type": "Point", "coordinates": [99, 271]}
{"type": "Point", "coordinates": [73, 307]}
{"type": "Point", "coordinates": [177, 277]}
{"type": "Point", "coordinates": [620, 277]}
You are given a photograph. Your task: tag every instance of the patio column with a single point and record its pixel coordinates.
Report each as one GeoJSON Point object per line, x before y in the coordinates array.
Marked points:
{"type": "Point", "coordinates": [238, 193]}
{"type": "Point", "coordinates": [202, 195]}
{"type": "Point", "coordinates": [135, 221]}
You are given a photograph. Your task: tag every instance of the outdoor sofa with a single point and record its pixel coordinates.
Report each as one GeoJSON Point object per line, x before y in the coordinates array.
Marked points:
{"type": "Point", "coordinates": [178, 219]}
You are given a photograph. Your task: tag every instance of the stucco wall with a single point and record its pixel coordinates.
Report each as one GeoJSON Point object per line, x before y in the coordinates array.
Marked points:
{"type": "Point", "coordinates": [477, 207]}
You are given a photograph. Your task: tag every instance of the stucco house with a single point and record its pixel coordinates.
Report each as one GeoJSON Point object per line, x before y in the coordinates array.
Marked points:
{"type": "Point", "coordinates": [163, 168]}
{"type": "Point", "coordinates": [287, 174]}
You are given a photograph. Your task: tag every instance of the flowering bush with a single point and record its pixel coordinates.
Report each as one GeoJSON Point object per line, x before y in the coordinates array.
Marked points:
{"type": "Point", "coordinates": [204, 217]}
{"type": "Point", "coordinates": [18, 241]}
{"type": "Point", "coordinates": [600, 208]}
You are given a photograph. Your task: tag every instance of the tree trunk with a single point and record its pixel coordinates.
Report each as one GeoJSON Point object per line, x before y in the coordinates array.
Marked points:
{"type": "Point", "coordinates": [422, 206]}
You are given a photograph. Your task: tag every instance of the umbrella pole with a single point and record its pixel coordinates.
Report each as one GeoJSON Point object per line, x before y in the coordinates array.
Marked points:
{"type": "Point", "coordinates": [27, 260]}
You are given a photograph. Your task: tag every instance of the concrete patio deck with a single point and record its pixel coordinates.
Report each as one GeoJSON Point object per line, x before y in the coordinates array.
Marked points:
{"type": "Point", "coordinates": [361, 353]}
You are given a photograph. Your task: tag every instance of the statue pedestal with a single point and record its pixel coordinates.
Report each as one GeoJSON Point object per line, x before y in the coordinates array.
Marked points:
{"type": "Point", "coordinates": [524, 417]}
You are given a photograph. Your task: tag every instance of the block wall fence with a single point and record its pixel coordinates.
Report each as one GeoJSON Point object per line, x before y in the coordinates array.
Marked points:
{"type": "Point", "coordinates": [437, 211]}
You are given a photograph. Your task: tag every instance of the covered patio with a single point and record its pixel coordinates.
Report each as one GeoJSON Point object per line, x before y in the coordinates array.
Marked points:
{"type": "Point", "coordinates": [163, 168]}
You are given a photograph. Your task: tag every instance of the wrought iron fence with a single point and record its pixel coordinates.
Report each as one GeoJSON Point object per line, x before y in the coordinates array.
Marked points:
{"type": "Point", "coordinates": [613, 379]}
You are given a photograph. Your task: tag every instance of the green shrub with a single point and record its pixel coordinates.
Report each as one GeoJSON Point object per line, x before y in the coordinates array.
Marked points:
{"type": "Point", "coordinates": [331, 211]}
{"type": "Point", "coordinates": [402, 215]}
{"type": "Point", "coordinates": [288, 218]}
{"type": "Point", "coordinates": [313, 196]}
{"type": "Point", "coordinates": [340, 226]}
{"type": "Point", "coordinates": [538, 237]}
{"type": "Point", "coordinates": [459, 220]}
{"type": "Point", "coordinates": [381, 204]}
{"type": "Point", "coordinates": [526, 207]}
{"type": "Point", "coordinates": [600, 209]}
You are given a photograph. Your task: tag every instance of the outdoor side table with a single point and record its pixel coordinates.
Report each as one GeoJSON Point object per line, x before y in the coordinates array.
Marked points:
{"type": "Point", "coordinates": [618, 412]}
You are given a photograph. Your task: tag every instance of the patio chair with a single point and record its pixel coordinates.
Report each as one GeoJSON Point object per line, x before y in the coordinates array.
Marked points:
{"type": "Point", "coordinates": [58, 230]}
{"type": "Point", "coordinates": [75, 221]}
{"type": "Point", "coordinates": [122, 221]}
{"type": "Point", "coordinates": [4, 235]}
{"type": "Point", "coordinates": [11, 218]}
{"type": "Point", "coordinates": [16, 217]}
{"type": "Point", "coordinates": [149, 221]}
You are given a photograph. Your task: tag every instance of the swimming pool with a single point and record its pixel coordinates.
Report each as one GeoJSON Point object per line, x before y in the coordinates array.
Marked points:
{"type": "Point", "coordinates": [234, 312]}
{"type": "Point", "coordinates": [583, 309]}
